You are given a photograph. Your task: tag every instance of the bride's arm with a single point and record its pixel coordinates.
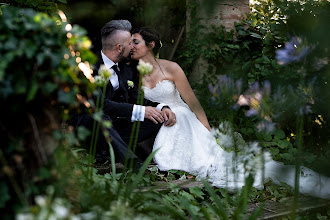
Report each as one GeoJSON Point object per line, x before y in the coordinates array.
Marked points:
{"type": "Point", "coordinates": [187, 94]}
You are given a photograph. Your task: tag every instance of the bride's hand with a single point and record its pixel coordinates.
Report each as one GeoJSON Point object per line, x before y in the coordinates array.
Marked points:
{"type": "Point", "coordinates": [169, 117]}
{"type": "Point", "coordinates": [153, 114]}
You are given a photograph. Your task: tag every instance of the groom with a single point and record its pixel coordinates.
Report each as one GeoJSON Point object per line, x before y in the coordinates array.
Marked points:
{"type": "Point", "coordinates": [120, 99]}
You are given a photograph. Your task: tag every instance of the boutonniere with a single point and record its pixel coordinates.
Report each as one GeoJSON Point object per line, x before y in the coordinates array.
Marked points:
{"type": "Point", "coordinates": [130, 84]}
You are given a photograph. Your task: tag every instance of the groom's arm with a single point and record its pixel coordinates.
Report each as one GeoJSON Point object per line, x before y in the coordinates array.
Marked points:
{"type": "Point", "coordinates": [132, 112]}
{"type": "Point", "coordinates": [118, 110]}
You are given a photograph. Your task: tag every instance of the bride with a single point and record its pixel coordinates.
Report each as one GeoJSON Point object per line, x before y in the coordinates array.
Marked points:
{"type": "Point", "coordinates": [189, 145]}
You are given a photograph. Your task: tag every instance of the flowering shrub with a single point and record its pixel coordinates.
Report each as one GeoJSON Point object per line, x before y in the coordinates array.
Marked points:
{"type": "Point", "coordinates": [294, 50]}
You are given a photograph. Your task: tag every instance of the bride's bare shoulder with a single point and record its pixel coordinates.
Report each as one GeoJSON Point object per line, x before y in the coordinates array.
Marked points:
{"type": "Point", "coordinates": [170, 66]}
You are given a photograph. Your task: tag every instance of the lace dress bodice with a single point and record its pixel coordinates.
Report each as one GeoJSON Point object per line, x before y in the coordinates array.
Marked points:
{"type": "Point", "coordinates": [164, 92]}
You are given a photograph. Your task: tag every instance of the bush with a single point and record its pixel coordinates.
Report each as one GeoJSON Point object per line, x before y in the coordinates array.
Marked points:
{"type": "Point", "coordinates": [39, 85]}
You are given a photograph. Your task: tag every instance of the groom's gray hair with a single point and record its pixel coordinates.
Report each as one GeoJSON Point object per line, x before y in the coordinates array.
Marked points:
{"type": "Point", "coordinates": [109, 30]}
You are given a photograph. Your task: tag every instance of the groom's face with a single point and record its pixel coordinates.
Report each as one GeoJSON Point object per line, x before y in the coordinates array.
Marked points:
{"type": "Point", "coordinates": [125, 45]}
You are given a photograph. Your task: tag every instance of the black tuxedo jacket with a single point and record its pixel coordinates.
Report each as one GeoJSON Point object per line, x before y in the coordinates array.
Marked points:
{"type": "Point", "coordinates": [119, 104]}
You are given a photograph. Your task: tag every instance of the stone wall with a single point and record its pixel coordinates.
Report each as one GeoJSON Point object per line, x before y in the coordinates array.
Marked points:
{"type": "Point", "coordinates": [224, 12]}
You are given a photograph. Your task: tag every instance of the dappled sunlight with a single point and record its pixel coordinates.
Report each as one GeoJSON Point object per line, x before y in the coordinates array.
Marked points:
{"type": "Point", "coordinates": [62, 15]}
{"type": "Point", "coordinates": [68, 27]}
{"type": "Point", "coordinates": [85, 68]}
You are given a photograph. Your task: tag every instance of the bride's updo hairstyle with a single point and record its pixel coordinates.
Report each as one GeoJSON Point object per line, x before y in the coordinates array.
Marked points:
{"type": "Point", "coordinates": [149, 35]}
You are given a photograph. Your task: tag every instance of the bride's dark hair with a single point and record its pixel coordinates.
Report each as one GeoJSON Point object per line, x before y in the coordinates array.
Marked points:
{"type": "Point", "coordinates": [148, 34]}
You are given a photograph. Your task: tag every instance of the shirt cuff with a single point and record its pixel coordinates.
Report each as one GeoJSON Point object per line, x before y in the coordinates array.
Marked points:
{"type": "Point", "coordinates": [160, 106]}
{"type": "Point", "coordinates": [138, 113]}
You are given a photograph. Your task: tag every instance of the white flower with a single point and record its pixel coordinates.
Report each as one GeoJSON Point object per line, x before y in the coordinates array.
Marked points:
{"type": "Point", "coordinates": [266, 126]}
{"type": "Point", "coordinates": [24, 216]}
{"type": "Point", "coordinates": [104, 72]}
{"type": "Point", "coordinates": [59, 209]}
{"type": "Point", "coordinates": [225, 127]}
{"type": "Point", "coordinates": [226, 141]}
{"type": "Point", "coordinates": [258, 96]}
{"type": "Point", "coordinates": [40, 200]}
{"type": "Point", "coordinates": [254, 148]}
{"type": "Point", "coordinates": [88, 215]}
{"type": "Point", "coordinates": [130, 84]}
{"type": "Point", "coordinates": [243, 101]}
{"type": "Point", "coordinates": [226, 137]}
{"type": "Point", "coordinates": [144, 68]}
{"type": "Point", "coordinates": [74, 217]}
{"type": "Point", "coordinates": [215, 132]}
{"type": "Point", "coordinates": [100, 81]}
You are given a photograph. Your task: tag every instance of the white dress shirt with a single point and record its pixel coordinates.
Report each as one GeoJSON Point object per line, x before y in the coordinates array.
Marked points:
{"type": "Point", "coordinates": [113, 78]}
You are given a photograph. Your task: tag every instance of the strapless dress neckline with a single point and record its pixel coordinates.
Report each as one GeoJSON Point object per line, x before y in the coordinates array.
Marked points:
{"type": "Point", "coordinates": [160, 82]}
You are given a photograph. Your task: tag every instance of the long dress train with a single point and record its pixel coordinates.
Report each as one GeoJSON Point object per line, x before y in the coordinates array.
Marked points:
{"type": "Point", "coordinates": [190, 147]}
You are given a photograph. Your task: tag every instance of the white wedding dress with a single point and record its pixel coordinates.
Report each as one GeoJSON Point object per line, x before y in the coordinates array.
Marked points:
{"type": "Point", "coordinates": [190, 147]}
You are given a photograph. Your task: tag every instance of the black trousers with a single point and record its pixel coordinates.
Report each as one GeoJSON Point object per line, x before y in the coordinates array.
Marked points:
{"type": "Point", "coordinates": [148, 130]}
{"type": "Point", "coordinates": [120, 134]}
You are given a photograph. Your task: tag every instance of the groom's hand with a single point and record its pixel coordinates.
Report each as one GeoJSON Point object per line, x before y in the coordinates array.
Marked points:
{"type": "Point", "coordinates": [153, 114]}
{"type": "Point", "coordinates": [169, 117]}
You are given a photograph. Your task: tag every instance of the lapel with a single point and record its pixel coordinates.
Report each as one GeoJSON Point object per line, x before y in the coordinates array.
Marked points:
{"type": "Point", "coordinates": [110, 92]}
{"type": "Point", "coordinates": [122, 79]}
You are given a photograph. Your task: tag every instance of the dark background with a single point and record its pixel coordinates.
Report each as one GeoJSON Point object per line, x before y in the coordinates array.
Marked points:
{"type": "Point", "coordinates": [167, 17]}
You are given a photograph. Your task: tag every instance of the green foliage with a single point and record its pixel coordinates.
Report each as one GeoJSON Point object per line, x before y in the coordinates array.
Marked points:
{"type": "Point", "coordinates": [103, 196]}
{"type": "Point", "coordinates": [277, 143]}
{"type": "Point", "coordinates": [277, 193]}
{"type": "Point", "coordinates": [46, 6]}
{"type": "Point", "coordinates": [5, 196]}
{"type": "Point", "coordinates": [125, 196]}
{"type": "Point", "coordinates": [39, 43]}
{"type": "Point", "coordinates": [39, 85]}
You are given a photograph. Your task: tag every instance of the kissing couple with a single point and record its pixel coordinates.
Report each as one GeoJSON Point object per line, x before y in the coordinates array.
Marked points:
{"type": "Point", "coordinates": [118, 42]}
{"type": "Point", "coordinates": [173, 114]}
